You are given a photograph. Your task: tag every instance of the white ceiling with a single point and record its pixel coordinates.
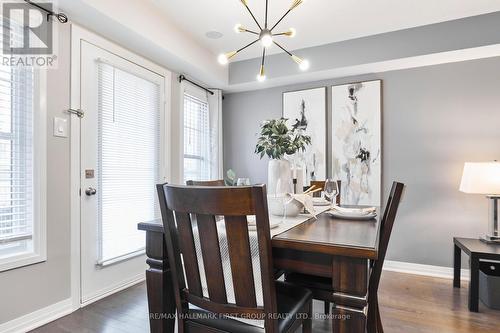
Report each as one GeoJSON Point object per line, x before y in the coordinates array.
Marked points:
{"type": "Point", "coordinates": [317, 21]}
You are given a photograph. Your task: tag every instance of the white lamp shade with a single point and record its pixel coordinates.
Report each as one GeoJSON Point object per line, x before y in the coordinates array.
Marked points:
{"type": "Point", "coordinates": [481, 178]}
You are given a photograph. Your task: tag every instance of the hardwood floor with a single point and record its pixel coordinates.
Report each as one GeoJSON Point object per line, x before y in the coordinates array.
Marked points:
{"type": "Point", "coordinates": [409, 304]}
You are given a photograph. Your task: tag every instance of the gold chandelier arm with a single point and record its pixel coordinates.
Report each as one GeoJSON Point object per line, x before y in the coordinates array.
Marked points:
{"type": "Point", "coordinates": [248, 45]}
{"type": "Point", "coordinates": [294, 5]}
{"type": "Point", "coordinates": [267, 5]}
{"type": "Point", "coordinates": [250, 31]}
{"type": "Point", "coordinates": [285, 50]}
{"type": "Point", "coordinates": [244, 2]}
{"type": "Point", "coordinates": [285, 33]}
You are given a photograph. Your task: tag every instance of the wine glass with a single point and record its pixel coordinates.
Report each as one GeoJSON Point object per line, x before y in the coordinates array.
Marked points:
{"type": "Point", "coordinates": [331, 190]}
{"type": "Point", "coordinates": [284, 188]}
{"type": "Point", "coordinates": [243, 182]}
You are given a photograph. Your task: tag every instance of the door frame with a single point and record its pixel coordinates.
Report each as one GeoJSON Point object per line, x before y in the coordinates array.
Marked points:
{"type": "Point", "coordinates": [79, 34]}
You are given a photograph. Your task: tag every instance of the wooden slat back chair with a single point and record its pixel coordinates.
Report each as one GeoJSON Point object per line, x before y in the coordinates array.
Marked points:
{"type": "Point", "coordinates": [219, 182]}
{"type": "Point", "coordinates": [374, 321]}
{"type": "Point", "coordinates": [322, 287]}
{"type": "Point", "coordinates": [321, 184]}
{"type": "Point", "coordinates": [178, 205]}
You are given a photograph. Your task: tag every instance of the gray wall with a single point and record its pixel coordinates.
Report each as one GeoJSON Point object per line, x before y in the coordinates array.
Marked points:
{"type": "Point", "coordinates": [33, 287]}
{"type": "Point", "coordinates": [434, 119]}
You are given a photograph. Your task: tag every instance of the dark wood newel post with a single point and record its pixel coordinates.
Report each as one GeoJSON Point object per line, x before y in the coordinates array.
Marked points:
{"type": "Point", "coordinates": [159, 284]}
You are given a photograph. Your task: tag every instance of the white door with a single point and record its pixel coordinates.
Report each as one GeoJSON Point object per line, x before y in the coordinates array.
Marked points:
{"type": "Point", "coordinates": [121, 161]}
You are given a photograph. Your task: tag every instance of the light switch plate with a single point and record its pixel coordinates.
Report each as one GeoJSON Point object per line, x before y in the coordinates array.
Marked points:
{"type": "Point", "coordinates": [60, 127]}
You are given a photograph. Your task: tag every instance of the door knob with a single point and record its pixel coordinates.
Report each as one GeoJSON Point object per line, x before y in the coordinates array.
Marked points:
{"type": "Point", "coordinates": [90, 191]}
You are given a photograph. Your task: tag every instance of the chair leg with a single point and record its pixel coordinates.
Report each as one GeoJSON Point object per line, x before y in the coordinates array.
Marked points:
{"type": "Point", "coordinates": [371, 322]}
{"type": "Point", "coordinates": [327, 307]}
{"type": "Point", "coordinates": [380, 327]}
{"type": "Point", "coordinates": [307, 323]}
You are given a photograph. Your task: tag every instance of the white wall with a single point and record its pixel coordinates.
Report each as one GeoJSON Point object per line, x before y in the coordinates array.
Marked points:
{"type": "Point", "coordinates": [30, 288]}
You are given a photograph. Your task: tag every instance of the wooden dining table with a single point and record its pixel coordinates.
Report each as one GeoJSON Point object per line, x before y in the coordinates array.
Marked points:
{"type": "Point", "coordinates": [324, 246]}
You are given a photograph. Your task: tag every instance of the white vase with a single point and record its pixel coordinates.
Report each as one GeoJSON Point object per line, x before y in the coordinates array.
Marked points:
{"type": "Point", "coordinates": [277, 169]}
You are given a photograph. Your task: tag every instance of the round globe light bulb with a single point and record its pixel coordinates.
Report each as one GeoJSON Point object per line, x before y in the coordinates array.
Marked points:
{"type": "Point", "coordinates": [261, 78]}
{"type": "Point", "coordinates": [304, 65]}
{"type": "Point", "coordinates": [222, 59]}
{"type": "Point", "coordinates": [237, 28]}
{"type": "Point", "coordinates": [266, 40]}
{"type": "Point", "coordinates": [293, 32]}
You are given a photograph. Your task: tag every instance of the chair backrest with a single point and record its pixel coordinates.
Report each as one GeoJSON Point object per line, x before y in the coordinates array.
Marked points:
{"type": "Point", "coordinates": [219, 182]}
{"type": "Point", "coordinates": [386, 224]}
{"type": "Point", "coordinates": [180, 204]}
{"type": "Point", "coordinates": [321, 184]}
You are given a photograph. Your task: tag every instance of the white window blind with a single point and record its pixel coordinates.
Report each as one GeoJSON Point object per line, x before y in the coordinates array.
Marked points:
{"type": "Point", "coordinates": [17, 87]}
{"type": "Point", "coordinates": [128, 160]}
{"type": "Point", "coordinates": [197, 144]}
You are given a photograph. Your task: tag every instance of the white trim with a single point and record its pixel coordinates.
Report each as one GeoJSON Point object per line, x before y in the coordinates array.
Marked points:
{"type": "Point", "coordinates": [79, 34]}
{"type": "Point", "coordinates": [424, 270]}
{"type": "Point", "coordinates": [38, 318]}
{"type": "Point", "coordinates": [122, 285]}
{"type": "Point", "coordinates": [39, 233]}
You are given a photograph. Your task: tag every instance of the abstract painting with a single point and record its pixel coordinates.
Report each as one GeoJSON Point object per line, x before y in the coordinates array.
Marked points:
{"type": "Point", "coordinates": [356, 141]}
{"type": "Point", "coordinates": [306, 109]}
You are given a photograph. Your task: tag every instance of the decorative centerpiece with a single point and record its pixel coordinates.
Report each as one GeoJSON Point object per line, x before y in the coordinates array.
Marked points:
{"type": "Point", "coordinates": [276, 141]}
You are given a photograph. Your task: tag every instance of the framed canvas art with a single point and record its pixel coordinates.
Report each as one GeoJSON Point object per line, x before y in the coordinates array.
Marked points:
{"type": "Point", "coordinates": [356, 141]}
{"type": "Point", "coordinates": [307, 109]}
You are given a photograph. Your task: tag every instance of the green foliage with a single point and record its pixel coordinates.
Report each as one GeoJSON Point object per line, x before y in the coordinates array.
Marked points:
{"type": "Point", "coordinates": [231, 178]}
{"type": "Point", "coordinates": [276, 140]}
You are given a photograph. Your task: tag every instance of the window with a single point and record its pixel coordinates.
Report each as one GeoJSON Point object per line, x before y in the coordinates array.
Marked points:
{"type": "Point", "coordinates": [129, 149]}
{"type": "Point", "coordinates": [196, 139]}
{"type": "Point", "coordinates": [202, 134]}
{"type": "Point", "coordinates": [22, 128]}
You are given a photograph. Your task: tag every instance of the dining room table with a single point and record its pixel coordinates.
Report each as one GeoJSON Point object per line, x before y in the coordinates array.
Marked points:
{"type": "Point", "coordinates": [321, 245]}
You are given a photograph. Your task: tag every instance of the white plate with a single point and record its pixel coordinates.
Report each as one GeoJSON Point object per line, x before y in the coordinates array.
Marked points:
{"type": "Point", "coordinates": [353, 216]}
{"type": "Point", "coordinates": [253, 227]}
{"type": "Point", "coordinates": [320, 202]}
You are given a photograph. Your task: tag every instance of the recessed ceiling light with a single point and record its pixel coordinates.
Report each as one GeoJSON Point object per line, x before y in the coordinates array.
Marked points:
{"type": "Point", "coordinates": [214, 34]}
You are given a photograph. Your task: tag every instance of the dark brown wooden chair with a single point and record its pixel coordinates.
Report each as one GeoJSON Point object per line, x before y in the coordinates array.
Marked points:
{"type": "Point", "coordinates": [322, 287]}
{"type": "Point", "coordinates": [219, 182]}
{"type": "Point", "coordinates": [292, 305]}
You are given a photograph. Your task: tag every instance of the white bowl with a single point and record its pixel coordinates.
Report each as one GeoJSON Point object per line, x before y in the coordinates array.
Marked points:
{"type": "Point", "coordinates": [276, 207]}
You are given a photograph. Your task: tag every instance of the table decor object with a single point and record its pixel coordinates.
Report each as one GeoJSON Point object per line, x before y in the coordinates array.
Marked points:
{"type": "Point", "coordinates": [484, 178]}
{"type": "Point", "coordinates": [276, 141]}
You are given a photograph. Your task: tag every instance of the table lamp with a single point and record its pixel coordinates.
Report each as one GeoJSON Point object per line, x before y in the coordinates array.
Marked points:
{"type": "Point", "coordinates": [484, 178]}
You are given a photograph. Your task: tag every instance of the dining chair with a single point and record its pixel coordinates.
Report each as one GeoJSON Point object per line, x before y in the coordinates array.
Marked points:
{"type": "Point", "coordinates": [321, 184]}
{"type": "Point", "coordinates": [219, 182]}
{"type": "Point", "coordinates": [202, 296]}
{"type": "Point", "coordinates": [322, 287]}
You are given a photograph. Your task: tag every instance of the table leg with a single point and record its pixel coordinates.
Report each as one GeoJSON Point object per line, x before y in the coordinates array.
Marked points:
{"type": "Point", "coordinates": [161, 300]}
{"type": "Point", "coordinates": [474, 284]}
{"type": "Point", "coordinates": [457, 262]}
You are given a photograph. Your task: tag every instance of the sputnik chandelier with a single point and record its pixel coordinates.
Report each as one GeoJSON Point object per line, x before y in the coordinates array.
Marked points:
{"type": "Point", "coordinates": [266, 37]}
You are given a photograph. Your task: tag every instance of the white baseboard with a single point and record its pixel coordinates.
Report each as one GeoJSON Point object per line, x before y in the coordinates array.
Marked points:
{"type": "Point", "coordinates": [114, 289]}
{"type": "Point", "coordinates": [38, 318]}
{"type": "Point", "coordinates": [425, 270]}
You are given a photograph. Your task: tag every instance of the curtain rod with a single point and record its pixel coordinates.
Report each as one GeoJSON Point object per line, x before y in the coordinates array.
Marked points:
{"type": "Point", "coordinates": [60, 16]}
{"type": "Point", "coordinates": [183, 78]}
